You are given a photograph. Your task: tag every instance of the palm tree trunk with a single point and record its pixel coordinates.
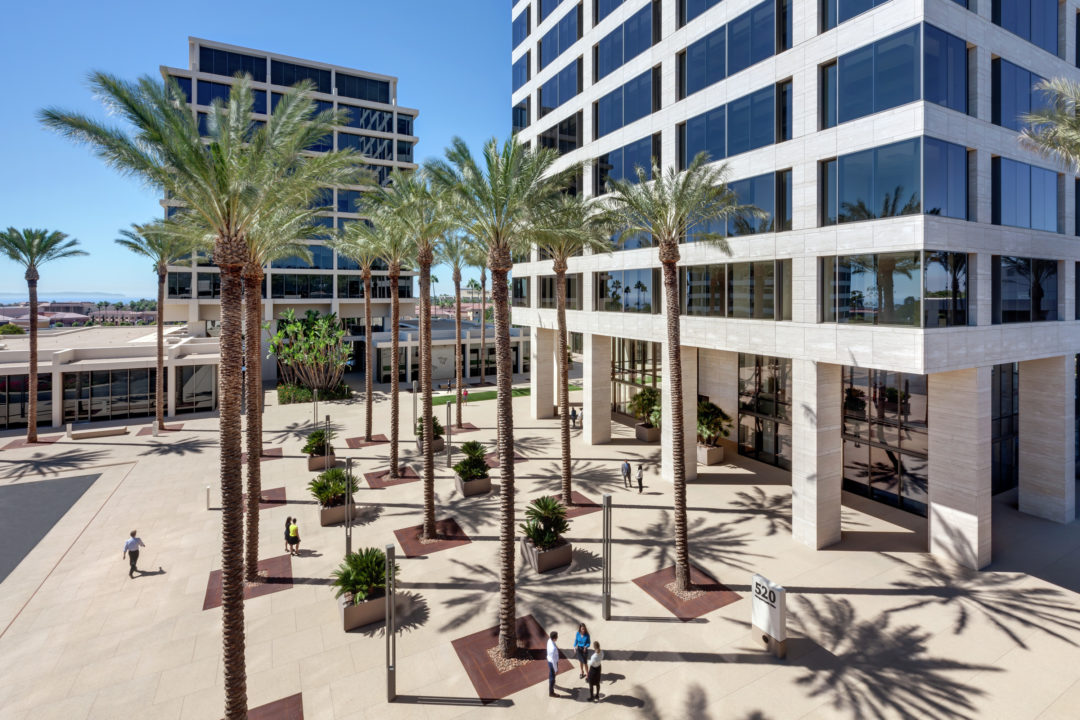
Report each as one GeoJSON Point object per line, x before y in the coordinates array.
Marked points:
{"type": "Point", "coordinates": [674, 381]}
{"type": "Point", "coordinates": [505, 421]}
{"type": "Point", "coordinates": [564, 386]}
{"type": "Point", "coordinates": [232, 511]}
{"type": "Point", "coordinates": [253, 363]}
{"type": "Point", "coordinates": [428, 532]}
{"type": "Point", "coordinates": [395, 318]}
{"type": "Point", "coordinates": [457, 343]}
{"type": "Point", "coordinates": [32, 381]}
{"type": "Point", "coordinates": [483, 326]}
{"type": "Point", "coordinates": [369, 347]}
{"type": "Point", "coordinates": [159, 381]}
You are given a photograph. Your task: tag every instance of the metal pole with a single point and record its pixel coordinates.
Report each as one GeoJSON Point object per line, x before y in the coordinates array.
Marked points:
{"type": "Point", "coordinates": [606, 581]}
{"type": "Point", "coordinates": [348, 506]}
{"type": "Point", "coordinates": [448, 437]}
{"type": "Point", "coordinates": [207, 497]}
{"type": "Point", "coordinates": [391, 637]}
{"type": "Point", "coordinates": [415, 390]}
{"type": "Point", "coordinates": [315, 407]}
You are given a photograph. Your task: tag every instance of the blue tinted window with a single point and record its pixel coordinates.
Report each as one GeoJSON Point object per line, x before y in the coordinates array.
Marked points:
{"type": "Point", "coordinates": [690, 9]}
{"type": "Point", "coordinates": [625, 42]}
{"type": "Point", "coordinates": [546, 8]}
{"type": "Point", "coordinates": [707, 133]}
{"type": "Point", "coordinates": [185, 86]}
{"type": "Point", "coordinates": [609, 112]}
{"type": "Point", "coordinates": [879, 76]}
{"type": "Point", "coordinates": [210, 91]}
{"type": "Point", "coordinates": [362, 88]}
{"type": "Point", "coordinates": [945, 70]}
{"type": "Point", "coordinates": [834, 12]}
{"type": "Point", "coordinates": [1043, 199]}
{"type": "Point", "coordinates": [760, 193]}
{"type": "Point", "coordinates": [405, 124]}
{"type": "Point", "coordinates": [1013, 94]}
{"type": "Point", "coordinates": [204, 124]}
{"type": "Point", "coordinates": [520, 73]}
{"type": "Point", "coordinates": [855, 90]}
{"type": "Point", "coordinates": [1033, 20]}
{"type": "Point", "coordinates": [828, 96]}
{"type": "Point", "coordinates": [706, 61]}
{"type": "Point", "coordinates": [380, 172]}
{"type": "Point", "coordinates": [224, 62]}
{"type": "Point", "coordinates": [881, 182]}
{"type": "Point", "coordinates": [751, 37]}
{"type": "Point", "coordinates": [561, 87]}
{"type": "Point", "coordinates": [944, 179]}
{"type": "Point", "coordinates": [289, 74]}
{"type": "Point", "coordinates": [370, 119]}
{"type": "Point", "coordinates": [520, 119]}
{"type": "Point", "coordinates": [750, 121]}
{"type": "Point", "coordinates": [624, 105]}
{"type": "Point", "coordinates": [404, 151]}
{"type": "Point", "coordinates": [259, 102]}
{"type": "Point", "coordinates": [520, 28]}
{"type": "Point", "coordinates": [346, 200]}
{"type": "Point", "coordinates": [622, 164]}
{"type": "Point", "coordinates": [377, 148]}
{"type": "Point", "coordinates": [559, 38]}
{"type": "Point", "coordinates": [605, 7]}
{"type": "Point", "coordinates": [609, 52]}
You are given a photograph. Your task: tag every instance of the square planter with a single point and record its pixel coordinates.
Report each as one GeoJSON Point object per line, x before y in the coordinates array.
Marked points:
{"type": "Point", "coordinates": [473, 487]}
{"type": "Point", "coordinates": [543, 560]}
{"type": "Point", "coordinates": [647, 434]}
{"type": "Point", "coordinates": [335, 515]}
{"type": "Point", "coordinates": [321, 462]}
{"type": "Point", "coordinates": [367, 612]}
{"type": "Point", "coordinates": [710, 454]}
{"type": "Point", "coordinates": [438, 446]}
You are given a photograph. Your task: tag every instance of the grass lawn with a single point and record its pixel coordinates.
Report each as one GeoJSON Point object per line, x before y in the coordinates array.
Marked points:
{"type": "Point", "coordinates": [476, 396]}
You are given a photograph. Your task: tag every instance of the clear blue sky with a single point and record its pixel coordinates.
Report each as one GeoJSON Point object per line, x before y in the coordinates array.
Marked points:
{"type": "Point", "coordinates": [451, 58]}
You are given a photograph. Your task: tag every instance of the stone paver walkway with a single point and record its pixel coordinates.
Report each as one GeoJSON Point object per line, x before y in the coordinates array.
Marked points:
{"type": "Point", "coordinates": [878, 628]}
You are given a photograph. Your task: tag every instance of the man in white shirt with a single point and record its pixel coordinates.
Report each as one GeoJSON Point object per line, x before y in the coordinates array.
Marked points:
{"type": "Point", "coordinates": [131, 550]}
{"type": "Point", "coordinates": [552, 661]}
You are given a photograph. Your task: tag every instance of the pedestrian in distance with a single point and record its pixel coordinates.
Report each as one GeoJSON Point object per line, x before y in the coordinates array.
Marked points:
{"type": "Point", "coordinates": [131, 551]}
{"type": "Point", "coordinates": [626, 474]}
{"type": "Point", "coordinates": [294, 537]}
{"type": "Point", "coordinates": [288, 545]}
{"type": "Point", "coordinates": [552, 661]}
{"type": "Point", "coordinates": [464, 397]}
{"type": "Point", "coordinates": [581, 647]}
{"type": "Point", "coordinates": [595, 659]}
{"type": "Point", "coordinates": [573, 417]}
{"type": "Point", "coordinates": [640, 477]}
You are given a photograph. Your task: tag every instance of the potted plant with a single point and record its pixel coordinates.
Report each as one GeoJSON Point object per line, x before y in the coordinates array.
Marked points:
{"type": "Point", "coordinates": [437, 430]}
{"type": "Point", "coordinates": [645, 406]}
{"type": "Point", "coordinates": [712, 424]}
{"type": "Point", "coordinates": [319, 450]}
{"type": "Point", "coordinates": [472, 474]}
{"type": "Point", "coordinates": [361, 587]}
{"type": "Point", "coordinates": [331, 488]}
{"type": "Point", "coordinates": [543, 545]}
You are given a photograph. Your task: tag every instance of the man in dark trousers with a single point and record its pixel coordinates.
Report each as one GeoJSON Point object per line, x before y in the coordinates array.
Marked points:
{"type": "Point", "coordinates": [640, 476]}
{"type": "Point", "coordinates": [626, 474]}
{"type": "Point", "coordinates": [131, 550]}
{"type": "Point", "coordinates": [552, 661]}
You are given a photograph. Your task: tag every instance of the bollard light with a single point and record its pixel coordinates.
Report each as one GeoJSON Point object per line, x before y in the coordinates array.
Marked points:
{"type": "Point", "coordinates": [207, 497]}
{"type": "Point", "coordinates": [448, 437]}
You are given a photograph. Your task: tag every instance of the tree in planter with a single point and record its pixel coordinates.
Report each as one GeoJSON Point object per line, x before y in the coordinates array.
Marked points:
{"type": "Point", "coordinates": [712, 423]}
{"type": "Point", "coordinates": [474, 466]}
{"type": "Point", "coordinates": [436, 429]}
{"type": "Point", "coordinates": [545, 523]}
{"type": "Point", "coordinates": [361, 576]}
{"type": "Point", "coordinates": [319, 443]}
{"type": "Point", "coordinates": [669, 205]}
{"type": "Point", "coordinates": [332, 487]}
{"type": "Point", "coordinates": [645, 406]}
{"type": "Point", "coordinates": [311, 351]}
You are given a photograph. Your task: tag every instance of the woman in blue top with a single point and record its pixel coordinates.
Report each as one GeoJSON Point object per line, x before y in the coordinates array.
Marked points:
{"type": "Point", "coordinates": [581, 646]}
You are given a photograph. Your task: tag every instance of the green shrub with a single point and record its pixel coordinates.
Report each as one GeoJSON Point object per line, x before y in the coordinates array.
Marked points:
{"type": "Point", "coordinates": [332, 487]}
{"type": "Point", "coordinates": [474, 466]}
{"type": "Point", "coordinates": [473, 449]}
{"type": "Point", "coordinates": [712, 423]}
{"type": "Point", "coordinates": [545, 522]}
{"type": "Point", "coordinates": [362, 575]}
{"type": "Point", "coordinates": [289, 394]}
{"type": "Point", "coordinates": [319, 443]}
{"type": "Point", "coordinates": [436, 427]}
{"type": "Point", "coordinates": [645, 406]}
{"type": "Point", "coordinates": [11, 329]}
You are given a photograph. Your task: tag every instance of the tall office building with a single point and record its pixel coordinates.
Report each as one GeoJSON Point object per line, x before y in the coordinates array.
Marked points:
{"type": "Point", "coordinates": [378, 128]}
{"type": "Point", "coordinates": [903, 323]}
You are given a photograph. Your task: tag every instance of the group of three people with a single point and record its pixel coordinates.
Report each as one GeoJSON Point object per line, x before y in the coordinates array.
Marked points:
{"type": "Point", "coordinates": [589, 658]}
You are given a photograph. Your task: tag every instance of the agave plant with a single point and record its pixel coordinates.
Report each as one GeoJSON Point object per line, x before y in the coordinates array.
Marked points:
{"type": "Point", "coordinates": [362, 575]}
{"type": "Point", "coordinates": [545, 522]}
{"type": "Point", "coordinates": [332, 487]}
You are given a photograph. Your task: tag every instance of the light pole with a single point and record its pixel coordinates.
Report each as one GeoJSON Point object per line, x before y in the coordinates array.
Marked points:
{"type": "Point", "coordinates": [348, 506]}
{"type": "Point", "coordinates": [391, 636]}
{"type": "Point", "coordinates": [448, 434]}
{"type": "Point", "coordinates": [315, 407]}
{"type": "Point", "coordinates": [414, 391]}
{"type": "Point", "coordinates": [606, 576]}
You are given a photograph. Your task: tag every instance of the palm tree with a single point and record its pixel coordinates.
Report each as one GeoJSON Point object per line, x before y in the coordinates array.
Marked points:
{"type": "Point", "coordinates": [32, 248]}
{"type": "Point", "coordinates": [239, 174]}
{"type": "Point", "coordinates": [454, 252]}
{"type": "Point", "coordinates": [668, 205]}
{"type": "Point", "coordinates": [574, 226]}
{"type": "Point", "coordinates": [1054, 128]}
{"type": "Point", "coordinates": [418, 216]}
{"type": "Point", "coordinates": [497, 203]}
{"type": "Point", "coordinates": [361, 244]}
{"type": "Point", "coordinates": [164, 247]}
{"type": "Point", "coordinates": [478, 259]}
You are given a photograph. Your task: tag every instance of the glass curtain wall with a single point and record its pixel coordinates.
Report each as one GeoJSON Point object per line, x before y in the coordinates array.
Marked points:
{"type": "Point", "coordinates": [1005, 424]}
{"type": "Point", "coordinates": [886, 437]}
{"type": "Point", "coordinates": [765, 409]}
{"type": "Point", "coordinates": [196, 388]}
{"type": "Point", "coordinates": [634, 364]}
{"type": "Point", "coordinates": [110, 394]}
{"type": "Point", "coordinates": [15, 400]}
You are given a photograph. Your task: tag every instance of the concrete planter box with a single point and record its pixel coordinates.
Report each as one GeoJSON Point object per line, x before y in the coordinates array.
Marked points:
{"type": "Point", "coordinates": [710, 454]}
{"type": "Point", "coordinates": [334, 515]}
{"type": "Point", "coordinates": [367, 612]}
{"type": "Point", "coordinates": [647, 434]}
{"type": "Point", "coordinates": [438, 446]}
{"type": "Point", "coordinates": [321, 462]}
{"type": "Point", "coordinates": [543, 560]}
{"type": "Point", "coordinates": [469, 488]}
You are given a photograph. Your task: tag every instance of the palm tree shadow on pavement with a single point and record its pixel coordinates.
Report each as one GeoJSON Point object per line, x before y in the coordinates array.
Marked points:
{"type": "Point", "coordinates": [186, 446]}
{"type": "Point", "coordinates": [44, 463]}
{"type": "Point", "coordinates": [412, 614]}
{"type": "Point", "coordinates": [709, 542]}
{"type": "Point", "coordinates": [299, 429]}
{"type": "Point", "coordinates": [590, 478]}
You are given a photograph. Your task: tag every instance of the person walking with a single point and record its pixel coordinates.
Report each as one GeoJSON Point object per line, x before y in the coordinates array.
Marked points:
{"type": "Point", "coordinates": [131, 551]}
{"type": "Point", "coordinates": [294, 537]}
{"type": "Point", "coordinates": [465, 396]}
{"type": "Point", "coordinates": [640, 476]}
{"type": "Point", "coordinates": [626, 474]}
{"type": "Point", "coordinates": [595, 659]}
{"type": "Point", "coordinates": [552, 661]}
{"type": "Point", "coordinates": [581, 647]}
{"type": "Point", "coordinates": [288, 546]}
{"type": "Point", "coordinates": [573, 417]}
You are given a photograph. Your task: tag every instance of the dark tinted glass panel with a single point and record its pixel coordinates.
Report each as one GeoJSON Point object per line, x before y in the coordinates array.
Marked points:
{"type": "Point", "coordinates": [829, 194]}
{"type": "Point", "coordinates": [945, 70]}
{"type": "Point", "coordinates": [224, 62]}
{"type": "Point", "coordinates": [783, 111]}
{"type": "Point", "coordinates": [545, 8]}
{"type": "Point", "coordinates": [209, 91]}
{"type": "Point", "coordinates": [363, 88]}
{"type": "Point", "coordinates": [564, 137]}
{"type": "Point", "coordinates": [896, 178]}
{"type": "Point", "coordinates": [1014, 289]}
{"type": "Point", "coordinates": [378, 120]}
{"type": "Point", "coordinates": [945, 289]}
{"type": "Point", "coordinates": [521, 115]}
{"type": "Point", "coordinates": [605, 7]}
{"type": "Point", "coordinates": [706, 133]}
{"type": "Point", "coordinates": [346, 200]}
{"type": "Point", "coordinates": [185, 86]}
{"type": "Point", "coordinates": [1043, 199]}
{"type": "Point", "coordinates": [405, 124]}
{"type": "Point", "coordinates": [1033, 20]}
{"type": "Point", "coordinates": [855, 185]}
{"type": "Point", "coordinates": [638, 31]}
{"type": "Point", "coordinates": [855, 88]}
{"type": "Point", "coordinates": [609, 52]}
{"type": "Point", "coordinates": [690, 9]}
{"type": "Point", "coordinates": [520, 28]}
{"type": "Point", "coordinates": [945, 179]}
{"type": "Point", "coordinates": [289, 74]}
{"type": "Point", "coordinates": [751, 121]}
{"type": "Point", "coordinates": [759, 193]}
{"type": "Point", "coordinates": [896, 69]}
{"type": "Point", "coordinates": [1044, 289]}
{"type": "Point", "coordinates": [520, 73]}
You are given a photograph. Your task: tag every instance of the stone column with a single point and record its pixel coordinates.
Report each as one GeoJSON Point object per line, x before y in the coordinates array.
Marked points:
{"type": "Point", "coordinates": [170, 388]}
{"type": "Point", "coordinates": [542, 372]}
{"type": "Point", "coordinates": [816, 463]}
{"type": "Point", "coordinates": [960, 450]}
{"type": "Point", "coordinates": [1047, 460]}
{"type": "Point", "coordinates": [596, 389]}
{"type": "Point", "coordinates": [689, 383]}
{"type": "Point", "coordinates": [57, 394]}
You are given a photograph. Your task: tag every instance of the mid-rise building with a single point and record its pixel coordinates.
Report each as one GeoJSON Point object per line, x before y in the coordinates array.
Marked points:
{"type": "Point", "coordinates": [378, 127]}
{"type": "Point", "coordinates": [903, 323]}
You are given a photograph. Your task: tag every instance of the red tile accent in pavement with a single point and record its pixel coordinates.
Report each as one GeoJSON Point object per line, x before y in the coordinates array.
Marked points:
{"type": "Point", "coordinates": [381, 478]}
{"type": "Point", "coordinates": [267, 454]}
{"type": "Point", "coordinates": [278, 577]}
{"type": "Point", "coordinates": [358, 442]}
{"type": "Point", "coordinates": [488, 682]}
{"type": "Point", "coordinates": [21, 442]}
{"type": "Point", "coordinates": [465, 428]}
{"type": "Point", "coordinates": [451, 533]}
{"type": "Point", "coordinates": [270, 498]}
{"type": "Point", "coordinates": [143, 432]}
{"type": "Point", "coordinates": [716, 595]}
{"type": "Point", "coordinates": [582, 505]}
{"type": "Point", "coordinates": [492, 459]}
{"type": "Point", "coordinates": [290, 708]}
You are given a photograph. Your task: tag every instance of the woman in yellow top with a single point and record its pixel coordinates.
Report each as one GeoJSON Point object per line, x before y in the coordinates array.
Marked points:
{"type": "Point", "coordinates": [294, 538]}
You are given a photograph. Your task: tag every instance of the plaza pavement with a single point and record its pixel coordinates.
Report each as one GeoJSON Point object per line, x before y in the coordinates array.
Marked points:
{"type": "Point", "coordinates": [878, 628]}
